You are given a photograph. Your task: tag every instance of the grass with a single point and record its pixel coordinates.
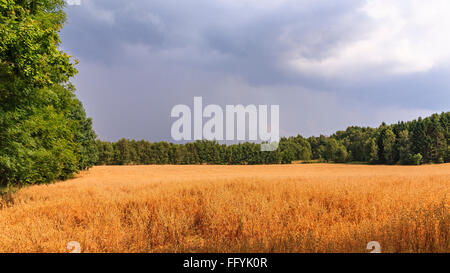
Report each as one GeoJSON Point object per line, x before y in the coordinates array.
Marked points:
{"type": "Point", "coordinates": [275, 208]}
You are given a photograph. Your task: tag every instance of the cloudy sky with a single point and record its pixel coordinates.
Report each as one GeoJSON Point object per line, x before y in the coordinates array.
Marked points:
{"type": "Point", "coordinates": [328, 64]}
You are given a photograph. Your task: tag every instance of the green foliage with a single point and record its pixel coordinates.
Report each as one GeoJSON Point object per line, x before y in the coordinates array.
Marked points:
{"type": "Point", "coordinates": [44, 132]}
{"type": "Point", "coordinates": [105, 153]}
{"type": "Point", "coordinates": [199, 152]}
{"type": "Point", "coordinates": [393, 144]}
{"type": "Point", "coordinates": [335, 152]}
{"type": "Point", "coordinates": [404, 147]}
{"type": "Point", "coordinates": [370, 153]}
{"type": "Point", "coordinates": [416, 142]}
{"type": "Point", "coordinates": [387, 139]}
{"type": "Point", "coordinates": [29, 54]}
{"type": "Point", "coordinates": [416, 159]}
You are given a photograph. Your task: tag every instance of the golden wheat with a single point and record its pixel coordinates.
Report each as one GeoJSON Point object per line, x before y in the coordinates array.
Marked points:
{"type": "Point", "coordinates": [290, 208]}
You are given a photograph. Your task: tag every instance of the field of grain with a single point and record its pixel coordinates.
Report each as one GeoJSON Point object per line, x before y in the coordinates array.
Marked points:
{"type": "Point", "coordinates": [280, 208]}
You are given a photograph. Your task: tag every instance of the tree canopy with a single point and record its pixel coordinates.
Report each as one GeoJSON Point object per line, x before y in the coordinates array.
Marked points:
{"type": "Point", "coordinates": [44, 132]}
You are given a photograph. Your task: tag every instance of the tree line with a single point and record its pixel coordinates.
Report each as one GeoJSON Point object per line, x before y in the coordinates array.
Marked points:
{"type": "Point", "coordinates": [44, 132]}
{"type": "Point", "coordinates": [407, 143]}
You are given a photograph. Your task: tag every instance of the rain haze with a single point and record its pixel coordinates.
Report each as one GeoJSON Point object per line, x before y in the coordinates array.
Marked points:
{"type": "Point", "coordinates": [328, 64]}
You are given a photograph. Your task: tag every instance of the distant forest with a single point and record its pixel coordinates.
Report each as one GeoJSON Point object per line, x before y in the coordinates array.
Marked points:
{"type": "Point", "coordinates": [425, 140]}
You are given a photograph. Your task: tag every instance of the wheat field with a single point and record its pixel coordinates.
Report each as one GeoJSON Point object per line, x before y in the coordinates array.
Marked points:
{"type": "Point", "coordinates": [276, 208]}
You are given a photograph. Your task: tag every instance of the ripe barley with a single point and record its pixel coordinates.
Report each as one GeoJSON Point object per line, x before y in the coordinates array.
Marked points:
{"type": "Point", "coordinates": [290, 208]}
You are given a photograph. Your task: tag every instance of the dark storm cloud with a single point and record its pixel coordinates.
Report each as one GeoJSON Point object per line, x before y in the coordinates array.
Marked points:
{"type": "Point", "coordinates": [139, 58]}
{"type": "Point", "coordinates": [246, 40]}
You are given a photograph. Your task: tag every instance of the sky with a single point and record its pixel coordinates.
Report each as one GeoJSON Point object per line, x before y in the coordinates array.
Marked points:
{"type": "Point", "coordinates": [328, 64]}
